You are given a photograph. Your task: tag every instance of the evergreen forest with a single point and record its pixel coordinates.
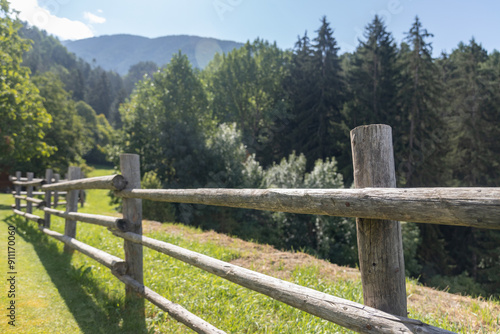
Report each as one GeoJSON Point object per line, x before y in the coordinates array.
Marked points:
{"type": "Point", "coordinates": [263, 117]}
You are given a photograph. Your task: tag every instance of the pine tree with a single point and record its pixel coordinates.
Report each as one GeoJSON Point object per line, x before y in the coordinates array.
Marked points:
{"type": "Point", "coordinates": [317, 91]}
{"type": "Point", "coordinates": [421, 149]}
{"type": "Point", "coordinates": [472, 115]}
{"type": "Point", "coordinates": [473, 111]}
{"type": "Point", "coordinates": [374, 79]}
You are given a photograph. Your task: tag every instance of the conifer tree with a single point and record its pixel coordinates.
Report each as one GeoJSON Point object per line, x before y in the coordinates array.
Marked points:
{"type": "Point", "coordinates": [374, 78]}
{"type": "Point", "coordinates": [473, 111]}
{"type": "Point", "coordinates": [317, 90]}
{"type": "Point", "coordinates": [420, 151]}
{"type": "Point", "coordinates": [473, 114]}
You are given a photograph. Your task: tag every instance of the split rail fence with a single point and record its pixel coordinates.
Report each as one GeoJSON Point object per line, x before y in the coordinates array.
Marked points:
{"type": "Point", "coordinates": [376, 203]}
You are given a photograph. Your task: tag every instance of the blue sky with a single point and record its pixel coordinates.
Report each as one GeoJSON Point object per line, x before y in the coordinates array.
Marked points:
{"type": "Point", "coordinates": [274, 20]}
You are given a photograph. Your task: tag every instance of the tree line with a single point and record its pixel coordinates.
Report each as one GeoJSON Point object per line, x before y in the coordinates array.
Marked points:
{"type": "Point", "coordinates": [261, 117]}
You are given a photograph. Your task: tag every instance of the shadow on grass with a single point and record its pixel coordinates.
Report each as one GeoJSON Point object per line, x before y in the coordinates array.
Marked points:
{"type": "Point", "coordinates": [5, 207]}
{"type": "Point", "coordinates": [100, 314]}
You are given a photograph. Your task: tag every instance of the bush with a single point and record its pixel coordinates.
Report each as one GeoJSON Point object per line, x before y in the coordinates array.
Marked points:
{"type": "Point", "coordinates": [411, 242]}
{"type": "Point", "coordinates": [332, 238]}
{"type": "Point", "coordinates": [463, 284]}
{"type": "Point", "coordinates": [159, 211]}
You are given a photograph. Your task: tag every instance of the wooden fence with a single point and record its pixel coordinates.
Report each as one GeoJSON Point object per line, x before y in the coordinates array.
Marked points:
{"type": "Point", "coordinates": [377, 205]}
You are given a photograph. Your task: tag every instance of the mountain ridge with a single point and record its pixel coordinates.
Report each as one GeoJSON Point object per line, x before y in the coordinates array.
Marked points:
{"type": "Point", "coordinates": [119, 52]}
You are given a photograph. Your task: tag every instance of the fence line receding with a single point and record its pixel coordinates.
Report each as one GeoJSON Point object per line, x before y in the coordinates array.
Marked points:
{"type": "Point", "coordinates": [478, 207]}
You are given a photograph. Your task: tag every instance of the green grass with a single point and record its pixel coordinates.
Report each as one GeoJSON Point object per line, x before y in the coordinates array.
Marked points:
{"type": "Point", "coordinates": [59, 293]}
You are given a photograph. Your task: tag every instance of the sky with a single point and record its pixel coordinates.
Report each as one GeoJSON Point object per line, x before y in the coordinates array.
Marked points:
{"type": "Point", "coordinates": [280, 21]}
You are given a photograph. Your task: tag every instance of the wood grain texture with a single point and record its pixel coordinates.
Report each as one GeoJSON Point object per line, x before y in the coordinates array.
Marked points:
{"type": "Point", "coordinates": [48, 196]}
{"type": "Point", "coordinates": [74, 173]}
{"type": "Point", "coordinates": [29, 216]}
{"type": "Point", "coordinates": [106, 221]}
{"type": "Point", "coordinates": [17, 189]}
{"type": "Point", "coordinates": [477, 207]}
{"type": "Point", "coordinates": [112, 182]}
{"type": "Point", "coordinates": [26, 182]}
{"type": "Point", "coordinates": [29, 193]}
{"type": "Point", "coordinates": [57, 178]}
{"type": "Point", "coordinates": [132, 212]}
{"type": "Point", "coordinates": [380, 244]}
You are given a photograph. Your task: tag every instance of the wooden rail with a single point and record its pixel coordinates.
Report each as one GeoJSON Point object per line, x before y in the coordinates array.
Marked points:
{"type": "Point", "coordinates": [109, 222]}
{"type": "Point", "coordinates": [114, 263]}
{"type": "Point", "coordinates": [477, 207]}
{"type": "Point", "coordinates": [112, 182]}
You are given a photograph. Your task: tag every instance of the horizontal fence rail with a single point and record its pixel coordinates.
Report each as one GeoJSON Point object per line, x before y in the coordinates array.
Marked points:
{"type": "Point", "coordinates": [346, 313]}
{"type": "Point", "coordinates": [476, 207]}
{"type": "Point", "coordinates": [111, 182]}
{"type": "Point", "coordinates": [34, 193]}
{"type": "Point", "coordinates": [29, 216]}
{"type": "Point", "coordinates": [37, 201]}
{"type": "Point", "coordinates": [109, 222]}
{"type": "Point", "coordinates": [114, 263]}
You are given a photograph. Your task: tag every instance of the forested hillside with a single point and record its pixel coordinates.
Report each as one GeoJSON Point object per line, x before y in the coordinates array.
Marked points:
{"type": "Point", "coordinates": [260, 117]}
{"type": "Point", "coordinates": [119, 52]}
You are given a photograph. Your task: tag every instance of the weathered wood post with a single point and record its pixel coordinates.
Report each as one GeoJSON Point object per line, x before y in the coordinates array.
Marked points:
{"type": "Point", "coordinates": [29, 193]}
{"type": "Point", "coordinates": [57, 177]}
{"type": "Point", "coordinates": [18, 191]}
{"type": "Point", "coordinates": [380, 245]}
{"type": "Point", "coordinates": [74, 173]}
{"type": "Point", "coordinates": [132, 211]}
{"type": "Point", "coordinates": [47, 198]}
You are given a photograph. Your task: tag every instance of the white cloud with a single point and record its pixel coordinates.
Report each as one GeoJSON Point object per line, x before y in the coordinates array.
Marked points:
{"type": "Point", "coordinates": [64, 28]}
{"type": "Point", "coordinates": [92, 18]}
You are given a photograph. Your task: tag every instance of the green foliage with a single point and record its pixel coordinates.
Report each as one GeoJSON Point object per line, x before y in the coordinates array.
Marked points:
{"type": "Point", "coordinates": [67, 133]}
{"type": "Point", "coordinates": [420, 144]}
{"type": "Point", "coordinates": [103, 90]}
{"type": "Point", "coordinates": [411, 242]}
{"type": "Point", "coordinates": [166, 122]}
{"type": "Point", "coordinates": [97, 131]}
{"type": "Point", "coordinates": [138, 72]}
{"type": "Point", "coordinates": [373, 78]}
{"type": "Point", "coordinates": [245, 86]}
{"type": "Point", "coordinates": [474, 108]}
{"type": "Point", "coordinates": [159, 211]}
{"type": "Point", "coordinates": [332, 238]}
{"type": "Point", "coordinates": [24, 118]}
{"type": "Point", "coordinates": [316, 89]}
{"type": "Point", "coordinates": [462, 283]}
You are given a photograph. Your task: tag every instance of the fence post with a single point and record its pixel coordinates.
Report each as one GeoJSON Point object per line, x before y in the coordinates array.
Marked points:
{"type": "Point", "coordinates": [132, 211]}
{"type": "Point", "coordinates": [48, 180]}
{"type": "Point", "coordinates": [56, 193]}
{"type": "Point", "coordinates": [18, 191]}
{"type": "Point", "coordinates": [380, 244]}
{"type": "Point", "coordinates": [29, 193]}
{"type": "Point", "coordinates": [71, 206]}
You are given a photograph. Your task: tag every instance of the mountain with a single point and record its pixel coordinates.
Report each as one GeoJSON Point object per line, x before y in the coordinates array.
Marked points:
{"type": "Point", "coordinates": [119, 52]}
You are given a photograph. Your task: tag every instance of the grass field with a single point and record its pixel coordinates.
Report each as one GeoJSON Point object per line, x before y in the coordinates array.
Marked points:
{"type": "Point", "coordinates": [59, 293]}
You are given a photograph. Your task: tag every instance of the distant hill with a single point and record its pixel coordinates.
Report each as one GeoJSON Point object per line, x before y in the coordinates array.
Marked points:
{"type": "Point", "coordinates": [119, 52]}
